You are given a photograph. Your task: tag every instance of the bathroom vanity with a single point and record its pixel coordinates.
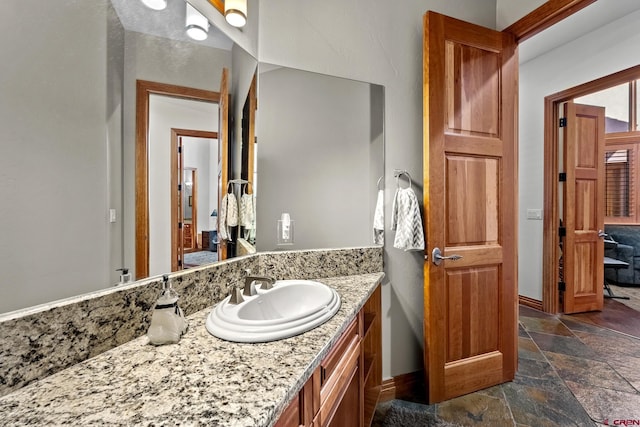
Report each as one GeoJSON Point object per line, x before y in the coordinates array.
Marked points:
{"type": "Point", "coordinates": [329, 375]}
{"type": "Point", "coordinates": [345, 388]}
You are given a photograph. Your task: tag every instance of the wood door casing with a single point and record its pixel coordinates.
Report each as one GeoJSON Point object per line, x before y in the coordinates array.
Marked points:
{"type": "Point", "coordinates": [583, 249]}
{"type": "Point", "coordinates": [470, 160]}
{"type": "Point", "coordinates": [223, 151]}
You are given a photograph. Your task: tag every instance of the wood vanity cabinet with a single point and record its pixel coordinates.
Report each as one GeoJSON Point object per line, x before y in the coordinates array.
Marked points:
{"type": "Point", "coordinates": [344, 390]}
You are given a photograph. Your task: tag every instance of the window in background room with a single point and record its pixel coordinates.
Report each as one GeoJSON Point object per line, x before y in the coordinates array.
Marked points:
{"type": "Point", "coordinates": [618, 183]}
{"type": "Point", "coordinates": [622, 147]}
{"type": "Point", "coordinates": [615, 100]}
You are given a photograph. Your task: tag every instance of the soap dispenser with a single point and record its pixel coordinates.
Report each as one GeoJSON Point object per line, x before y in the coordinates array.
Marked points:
{"type": "Point", "coordinates": [167, 321]}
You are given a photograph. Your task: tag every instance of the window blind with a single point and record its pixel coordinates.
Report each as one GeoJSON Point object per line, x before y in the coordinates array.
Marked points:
{"type": "Point", "coordinates": [619, 183]}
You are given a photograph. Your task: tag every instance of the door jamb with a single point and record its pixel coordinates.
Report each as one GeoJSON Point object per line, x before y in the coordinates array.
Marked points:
{"type": "Point", "coordinates": [551, 240]}
{"type": "Point", "coordinates": [549, 13]}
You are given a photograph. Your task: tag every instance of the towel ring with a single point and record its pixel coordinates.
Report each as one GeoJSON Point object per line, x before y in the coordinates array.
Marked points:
{"type": "Point", "coordinates": [399, 173]}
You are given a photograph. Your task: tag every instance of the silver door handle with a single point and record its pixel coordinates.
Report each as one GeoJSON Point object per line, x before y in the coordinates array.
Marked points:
{"type": "Point", "coordinates": [437, 258]}
{"type": "Point", "coordinates": [602, 234]}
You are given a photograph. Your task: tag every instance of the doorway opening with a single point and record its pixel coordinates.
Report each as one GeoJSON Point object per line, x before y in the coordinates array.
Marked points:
{"type": "Point", "coordinates": [194, 198]}
{"type": "Point", "coordinates": [622, 137]}
{"type": "Point", "coordinates": [144, 91]}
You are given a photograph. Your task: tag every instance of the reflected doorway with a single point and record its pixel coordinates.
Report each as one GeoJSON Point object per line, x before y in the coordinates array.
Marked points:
{"type": "Point", "coordinates": [189, 202]}
{"type": "Point", "coordinates": [194, 202]}
{"type": "Point", "coordinates": [154, 189]}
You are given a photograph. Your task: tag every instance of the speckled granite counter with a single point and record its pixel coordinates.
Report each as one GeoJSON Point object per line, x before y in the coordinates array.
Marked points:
{"type": "Point", "coordinates": [201, 380]}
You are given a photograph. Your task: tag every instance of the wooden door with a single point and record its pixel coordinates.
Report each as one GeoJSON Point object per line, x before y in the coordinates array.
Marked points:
{"type": "Point", "coordinates": [470, 198]}
{"type": "Point", "coordinates": [583, 246]}
{"type": "Point", "coordinates": [223, 151]}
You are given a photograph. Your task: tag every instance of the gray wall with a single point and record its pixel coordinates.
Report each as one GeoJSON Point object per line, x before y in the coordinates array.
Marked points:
{"type": "Point", "coordinates": [313, 159]}
{"type": "Point", "coordinates": [380, 43]}
{"type": "Point", "coordinates": [243, 69]}
{"type": "Point", "coordinates": [59, 156]}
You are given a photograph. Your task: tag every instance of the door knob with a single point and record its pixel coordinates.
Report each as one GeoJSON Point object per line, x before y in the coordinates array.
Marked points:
{"type": "Point", "coordinates": [437, 258]}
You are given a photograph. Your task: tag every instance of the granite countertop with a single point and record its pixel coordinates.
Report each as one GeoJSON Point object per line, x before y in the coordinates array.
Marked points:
{"type": "Point", "coordinates": [202, 379]}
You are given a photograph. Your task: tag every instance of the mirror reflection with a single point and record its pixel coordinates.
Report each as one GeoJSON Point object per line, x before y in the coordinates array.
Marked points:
{"type": "Point", "coordinates": [68, 180]}
{"type": "Point", "coordinates": [69, 113]}
{"type": "Point", "coordinates": [320, 159]}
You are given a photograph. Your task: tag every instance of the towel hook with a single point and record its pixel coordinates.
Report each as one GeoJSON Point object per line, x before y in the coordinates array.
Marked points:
{"type": "Point", "coordinates": [398, 173]}
{"type": "Point", "coordinates": [379, 181]}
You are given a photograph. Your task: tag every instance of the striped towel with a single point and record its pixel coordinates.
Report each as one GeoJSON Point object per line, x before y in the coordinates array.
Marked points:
{"type": "Point", "coordinates": [407, 221]}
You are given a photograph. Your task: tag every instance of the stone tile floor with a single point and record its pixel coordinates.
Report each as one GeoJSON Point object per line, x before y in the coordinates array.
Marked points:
{"type": "Point", "coordinates": [633, 292]}
{"type": "Point", "coordinates": [570, 373]}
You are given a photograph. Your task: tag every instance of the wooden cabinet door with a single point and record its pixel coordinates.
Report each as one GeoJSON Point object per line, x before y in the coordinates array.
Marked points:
{"type": "Point", "coordinates": [470, 198]}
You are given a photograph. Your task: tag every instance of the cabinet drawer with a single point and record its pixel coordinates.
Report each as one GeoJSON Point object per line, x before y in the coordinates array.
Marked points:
{"type": "Point", "coordinates": [336, 389]}
{"type": "Point", "coordinates": [339, 351]}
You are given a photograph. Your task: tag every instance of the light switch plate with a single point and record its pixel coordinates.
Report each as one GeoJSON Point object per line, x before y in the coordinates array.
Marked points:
{"type": "Point", "coordinates": [534, 213]}
{"type": "Point", "coordinates": [112, 215]}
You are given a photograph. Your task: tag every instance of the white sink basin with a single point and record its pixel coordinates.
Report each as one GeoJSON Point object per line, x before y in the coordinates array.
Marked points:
{"type": "Point", "coordinates": [290, 308]}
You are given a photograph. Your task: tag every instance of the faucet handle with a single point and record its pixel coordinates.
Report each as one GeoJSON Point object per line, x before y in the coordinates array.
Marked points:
{"type": "Point", "coordinates": [266, 284]}
{"type": "Point", "coordinates": [236, 296]}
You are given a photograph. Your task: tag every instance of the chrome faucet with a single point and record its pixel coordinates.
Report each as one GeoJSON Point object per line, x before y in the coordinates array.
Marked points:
{"type": "Point", "coordinates": [250, 287]}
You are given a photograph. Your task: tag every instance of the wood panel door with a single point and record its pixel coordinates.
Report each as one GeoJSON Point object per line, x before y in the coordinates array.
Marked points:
{"type": "Point", "coordinates": [470, 161]}
{"type": "Point", "coordinates": [583, 246]}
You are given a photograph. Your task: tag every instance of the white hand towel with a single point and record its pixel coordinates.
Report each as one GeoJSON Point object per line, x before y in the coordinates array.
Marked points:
{"type": "Point", "coordinates": [247, 211]}
{"type": "Point", "coordinates": [228, 216]}
{"type": "Point", "coordinates": [407, 221]}
{"type": "Point", "coordinates": [232, 210]}
{"type": "Point", "coordinates": [378, 220]}
{"type": "Point", "coordinates": [223, 233]}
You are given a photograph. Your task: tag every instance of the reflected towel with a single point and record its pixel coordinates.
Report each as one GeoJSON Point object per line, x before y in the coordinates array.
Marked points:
{"type": "Point", "coordinates": [228, 216]}
{"type": "Point", "coordinates": [378, 220]}
{"type": "Point", "coordinates": [407, 221]}
{"type": "Point", "coordinates": [232, 210]}
{"type": "Point", "coordinates": [248, 211]}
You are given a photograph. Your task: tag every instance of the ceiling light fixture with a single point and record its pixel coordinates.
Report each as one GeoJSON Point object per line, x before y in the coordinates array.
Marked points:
{"type": "Point", "coordinates": [155, 4]}
{"type": "Point", "coordinates": [235, 12]}
{"type": "Point", "coordinates": [197, 24]}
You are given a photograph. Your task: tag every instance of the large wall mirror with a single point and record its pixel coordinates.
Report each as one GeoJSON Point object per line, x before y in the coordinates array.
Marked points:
{"type": "Point", "coordinates": [320, 156]}
{"type": "Point", "coordinates": [68, 118]}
